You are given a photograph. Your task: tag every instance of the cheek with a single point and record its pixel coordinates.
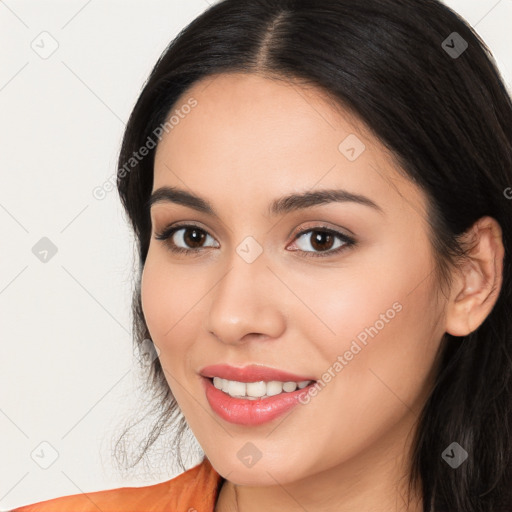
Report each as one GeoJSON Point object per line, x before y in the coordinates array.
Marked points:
{"type": "Point", "coordinates": [387, 331]}
{"type": "Point", "coordinates": [376, 366]}
{"type": "Point", "coordinates": [165, 301]}
{"type": "Point", "coordinates": [155, 295]}
{"type": "Point", "coordinates": [171, 302]}
{"type": "Point", "coordinates": [166, 297]}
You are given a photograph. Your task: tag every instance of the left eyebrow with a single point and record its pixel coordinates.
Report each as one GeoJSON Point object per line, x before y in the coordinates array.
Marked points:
{"type": "Point", "coordinates": [279, 206]}
{"type": "Point", "coordinates": [295, 202]}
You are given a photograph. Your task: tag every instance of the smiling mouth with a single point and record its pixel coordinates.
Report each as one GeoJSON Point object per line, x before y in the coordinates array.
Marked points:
{"type": "Point", "coordinates": [258, 389]}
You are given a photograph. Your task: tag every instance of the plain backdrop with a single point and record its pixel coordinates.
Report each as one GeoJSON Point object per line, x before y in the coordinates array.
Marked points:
{"type": "Point", "coordinates": [70, 73]}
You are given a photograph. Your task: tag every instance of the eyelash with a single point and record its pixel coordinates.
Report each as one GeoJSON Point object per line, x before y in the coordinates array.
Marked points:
{"type": "Point", "coordinates": [167, 233]}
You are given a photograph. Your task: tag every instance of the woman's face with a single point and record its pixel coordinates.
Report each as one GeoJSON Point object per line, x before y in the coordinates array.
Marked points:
{"type": "Point", "coordinates": [270, 288]}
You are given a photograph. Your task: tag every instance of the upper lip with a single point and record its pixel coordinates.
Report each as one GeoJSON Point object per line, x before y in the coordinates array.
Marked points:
{"type": "Point", "coordinates": [251, 373]}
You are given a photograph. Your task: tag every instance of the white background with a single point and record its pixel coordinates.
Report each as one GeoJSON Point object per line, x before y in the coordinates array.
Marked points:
{"type": "Point", "coordinates": [67, 373]}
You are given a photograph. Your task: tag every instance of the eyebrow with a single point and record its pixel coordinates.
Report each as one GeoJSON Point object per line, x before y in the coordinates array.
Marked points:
{"type": "Point", "coordinates": [279, 206]}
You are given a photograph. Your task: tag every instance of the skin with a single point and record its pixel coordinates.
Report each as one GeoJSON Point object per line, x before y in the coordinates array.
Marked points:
{"type": "Point", "coordinates": [250, 140]}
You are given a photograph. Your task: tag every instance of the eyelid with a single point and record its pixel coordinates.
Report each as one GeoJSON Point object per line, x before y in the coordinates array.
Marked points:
{"type": "Point", "coordinates": [323, 226]}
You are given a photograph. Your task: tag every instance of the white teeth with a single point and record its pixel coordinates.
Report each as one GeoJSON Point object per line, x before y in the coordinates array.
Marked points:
{"type": "Point", "coordinates": [289, 386]}
{"type": "Point", "coordinates": [274, 387]}
{"type": "Point", "coordinates": [260, 389]}
{"type": "Point", "coordinates": [236, 388]}
{"type": "Point", "coordinates": [256, 389]}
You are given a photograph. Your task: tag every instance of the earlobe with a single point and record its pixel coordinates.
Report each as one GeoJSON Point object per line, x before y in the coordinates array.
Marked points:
{"type": "Point", "coordinates": [478, 282]}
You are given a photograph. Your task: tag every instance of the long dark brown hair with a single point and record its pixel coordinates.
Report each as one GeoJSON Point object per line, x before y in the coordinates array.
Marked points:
{"type": "Point", "coordinates": [427, 86]}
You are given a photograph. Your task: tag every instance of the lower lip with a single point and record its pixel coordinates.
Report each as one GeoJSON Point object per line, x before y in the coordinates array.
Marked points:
{"type": "Point", "coordinates": [244, 411]}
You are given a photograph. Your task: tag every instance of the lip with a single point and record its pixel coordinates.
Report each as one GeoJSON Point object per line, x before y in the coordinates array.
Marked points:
{"type": "Point", "coordinates": [245, 411]}
{"type": "Point", "coordinates": [250, 412]}
{"type": "Point", "coordinates": [251, 373]}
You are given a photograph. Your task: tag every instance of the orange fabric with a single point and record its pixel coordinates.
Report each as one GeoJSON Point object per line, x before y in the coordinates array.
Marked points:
{"type": "Point", "coordinates": [194, 490]}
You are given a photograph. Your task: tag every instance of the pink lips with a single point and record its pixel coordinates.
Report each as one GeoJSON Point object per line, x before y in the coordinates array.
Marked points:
{"type": "Point", "coordinates": [251, 373]}
{"type": "Point", "coordinates": [251, 412]}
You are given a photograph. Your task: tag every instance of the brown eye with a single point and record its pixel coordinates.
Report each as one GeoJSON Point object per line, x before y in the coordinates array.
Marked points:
{"type": "Point", "coordinates": [323, 242]}
{"type": "Point", "coordinates": [193, 237]}
{"type": "Point", "coordinates": [188, 238]}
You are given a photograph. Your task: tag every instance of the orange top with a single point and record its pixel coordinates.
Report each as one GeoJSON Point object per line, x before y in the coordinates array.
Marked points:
{"type": "Point", "coordinates": [195, 490]}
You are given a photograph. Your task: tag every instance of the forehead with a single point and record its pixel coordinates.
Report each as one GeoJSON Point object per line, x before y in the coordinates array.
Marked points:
{"type": "Point", "coordinates": [234, 108]}
{"type": "Point", "coordinates": [254, 134]}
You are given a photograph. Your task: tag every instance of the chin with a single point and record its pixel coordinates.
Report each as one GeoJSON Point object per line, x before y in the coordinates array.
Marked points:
{"type": "Point", "coordinates": [260, 474]}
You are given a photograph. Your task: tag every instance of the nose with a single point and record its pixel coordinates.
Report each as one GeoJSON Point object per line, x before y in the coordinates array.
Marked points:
{"type": "Point", "coordinates": [247, 303]}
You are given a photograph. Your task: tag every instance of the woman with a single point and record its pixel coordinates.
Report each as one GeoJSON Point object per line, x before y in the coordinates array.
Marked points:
{"type": "Point", "coordinates": [318, 190]}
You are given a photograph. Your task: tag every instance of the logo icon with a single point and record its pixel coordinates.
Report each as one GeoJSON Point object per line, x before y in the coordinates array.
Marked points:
{"type": "Point", "coordinates": [454, 45]}
{"type": "Point", "coordinates": [454, 455]}
{"type": "Point", "coordinates": [44, 454]}
{"type": "Point", "coordinates": [351, 147]}
{"type": "Point", "coordinates": [249, 454]}
{"type": "Point", "coordinates": [45, 45]}
{"type": "Point", "coordinates": [44, 250]}
{"type": "Point", "coordinates": [249, 249]}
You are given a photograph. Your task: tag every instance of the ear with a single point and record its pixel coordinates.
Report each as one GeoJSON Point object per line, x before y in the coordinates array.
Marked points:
{"type": "Point", "coordinates": [478, 281]}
